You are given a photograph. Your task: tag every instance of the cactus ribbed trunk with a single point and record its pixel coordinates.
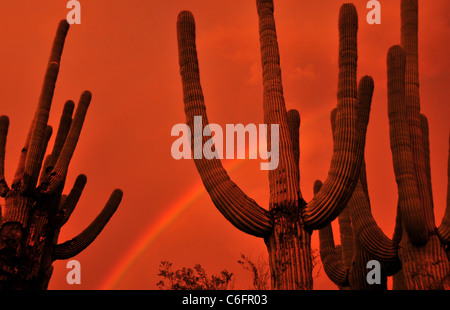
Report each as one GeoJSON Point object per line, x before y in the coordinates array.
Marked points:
{"type": "Point", "coordinates": [290, 260]}
{"type": "Point", "coordinates": [426, 267]}
{"type": "Point", "coordinates": [284, 188]}
{"type": "Point", "coordinates": [289, 244]}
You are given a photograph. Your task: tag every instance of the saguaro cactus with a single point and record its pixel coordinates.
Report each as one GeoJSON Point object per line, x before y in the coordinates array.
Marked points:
{"type": "Point", "coordinates": [418, 245]}
{"type": "Point", "coordinates": [35, 208]}
{"type": "Point", "coordinates": [286, 226]}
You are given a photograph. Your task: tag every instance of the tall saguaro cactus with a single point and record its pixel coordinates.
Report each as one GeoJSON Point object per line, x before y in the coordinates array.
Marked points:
{"type": "Point", "coordinates": [287, 225]}
{"type": "Point", "coordinates": [35, 208]}
{"type": "Point", "coordinates": [417, 245]}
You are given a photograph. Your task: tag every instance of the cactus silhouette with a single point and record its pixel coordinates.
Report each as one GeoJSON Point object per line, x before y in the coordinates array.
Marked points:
{"type": "Point", "coordinates": [287, 225]}
{"type": "Point", "coordinates": [416, 254]}
{"type": "Point", "coordinates": [35, 208]}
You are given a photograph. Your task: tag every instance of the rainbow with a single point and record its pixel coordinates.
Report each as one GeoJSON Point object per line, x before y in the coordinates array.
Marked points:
{"type": "Point", "coordinates": [172, 213]}
{"type": "Point", "coordinates": [156, 228]}
{"type": "Point", "coordinates": [151, 234]}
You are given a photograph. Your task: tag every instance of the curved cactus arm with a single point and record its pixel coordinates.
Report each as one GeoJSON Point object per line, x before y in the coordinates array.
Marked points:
{"type": "Point", "coordinates": [69, 202]}
{"type": "Point", "coordinates": [59, 172]}
{"type": "Point", "coordinates": [348, 151]}
{"type": "Point", "coordinates": [444, 228]}
{"type": "Point", "coordinates": [242, 211]}
{"type": "Point", "coordinates": [344, 218]}
{"type": "Point", "coordinates": [331, 261]}
{"type": "Point", "coordinates": [4, 125]}
{"type": "Point", "coordinates": [63, 130]}
{"type": "Point", "coordinates": [369, 234]}
{"type": "Point", "coordinates": [329, 254]}
{"type": "Point", "coordinates": [412, 212]}
{"type": "Point", "coordinates": [76, 245]}
{"type": "Point", "coordinates": [32, 161]}
{"type": "Point", "coordinates": [283, 181]}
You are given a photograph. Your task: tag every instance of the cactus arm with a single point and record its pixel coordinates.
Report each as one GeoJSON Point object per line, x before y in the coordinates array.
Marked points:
{"type": "Point", "coordinates": [63, 130]}
{"type": "Point", "coordinates": [332, 262]}
{"type": "Point", "coordinates": [59, 171]}
{"type": "Point", "coordinates": [364, 99]}
{"type": "Point", "coordinates": [4, 124]}
{"type": "Point", "coordinates": [69, 202]}
{"type": "Point", "coordinates": [284, 187]}
{"type": "Point", "coordinates": [349, 143]}
{"type": "Point", "coordinates": [53, 64]}
{"type": "Point", "coordinates": [444, 228]}
{"type": "Point", "coordinates": [413, 215]}
{"type": "Point", "coordinates": [58, 42]}
{"type": "Point", "coordinates": [344, 218]}
{"type": "Point", "coordinates": [409, 43]}
{"type": "Point", "coordinates": [369, 234]}
{"type": "Point", "coordinates": [32, 161]}
{"type": "Point", "coordinates": [242, 211]}
{"type": "Point", "coordinates": [76, 245]}
{"type": "Point", "coordinates": [365, 228]}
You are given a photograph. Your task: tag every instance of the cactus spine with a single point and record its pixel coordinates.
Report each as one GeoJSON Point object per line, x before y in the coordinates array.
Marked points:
{"type": "Point", "coordinates": [35, 208]}
{"type": "Point", "coordinates": [286, 226]}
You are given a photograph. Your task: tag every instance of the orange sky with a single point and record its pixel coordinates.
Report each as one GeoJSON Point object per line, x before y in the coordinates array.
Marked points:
{"type": "Point", "coordinates": [126, 54]}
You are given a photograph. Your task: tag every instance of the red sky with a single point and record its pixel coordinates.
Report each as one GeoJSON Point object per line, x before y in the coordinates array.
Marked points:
{"type": "Point", "coordinates": [126, 54]}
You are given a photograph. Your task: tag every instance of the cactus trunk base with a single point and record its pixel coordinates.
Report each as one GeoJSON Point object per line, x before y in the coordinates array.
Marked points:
{"type": "Point", "coordinates": [290, 259]}
{"type": "Point", "coordinates": [425, 267]}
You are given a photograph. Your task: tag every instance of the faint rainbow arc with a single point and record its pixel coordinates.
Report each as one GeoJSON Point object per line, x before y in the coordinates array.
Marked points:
{"type": "Point", "coordinates": [175, 210]}
{"type": "Point", "coordinates": [150, 235]}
